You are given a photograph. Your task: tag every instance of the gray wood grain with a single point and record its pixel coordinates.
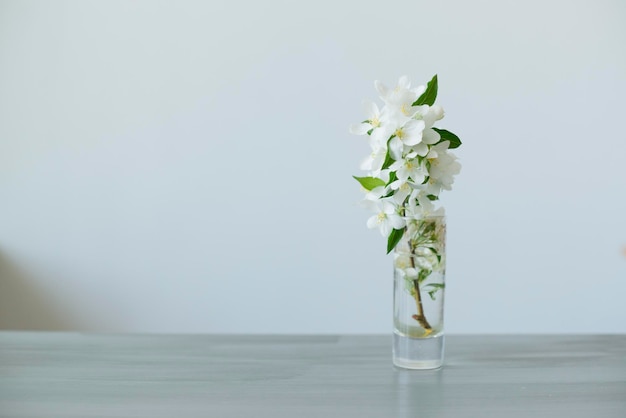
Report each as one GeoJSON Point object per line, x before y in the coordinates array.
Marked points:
{"type": "Point", "coordinates": [86, 375]}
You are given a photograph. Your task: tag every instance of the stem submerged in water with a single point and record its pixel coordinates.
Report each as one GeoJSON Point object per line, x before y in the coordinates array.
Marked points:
{"type": "Point", "coordinates": [420, 317]}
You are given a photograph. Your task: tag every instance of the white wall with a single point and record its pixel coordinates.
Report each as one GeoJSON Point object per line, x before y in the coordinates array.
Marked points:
{"type": "Point", "coordinates": [186, 166]}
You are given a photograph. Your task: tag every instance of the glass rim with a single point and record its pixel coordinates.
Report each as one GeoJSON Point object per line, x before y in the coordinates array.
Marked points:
{"type": "Point", "coordinates": [411, 218]}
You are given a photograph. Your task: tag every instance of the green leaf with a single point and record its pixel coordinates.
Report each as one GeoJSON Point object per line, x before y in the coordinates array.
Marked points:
{"type": "Point", "coordinates": [394, 239]}
{"type": "Point", "coordinates": [423, 275]}
{"type": "Point", "coordinates": [430, 95]}
{"type": "Point", "coordinates": [435, 288]}
{"type": "Point", "coordinates": [388, 161]}
{"type": "Point", "coordinates": [436, 285]}
{"type": "Point", "coordinates": [455, 142]}
{"type": "Point", "coordinates": [369, 183]}
{"type": "Point", "coordinates": [392, 177]}
{"type": "Point", "coordinates": [388, 158]}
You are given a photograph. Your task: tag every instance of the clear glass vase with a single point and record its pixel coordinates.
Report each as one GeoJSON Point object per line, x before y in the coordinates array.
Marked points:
{"type": "Point", "coordinates": [419, 282]}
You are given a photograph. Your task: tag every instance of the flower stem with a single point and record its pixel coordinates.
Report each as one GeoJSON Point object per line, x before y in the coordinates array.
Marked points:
{"type": "Point", "coordinates": [420, 317]}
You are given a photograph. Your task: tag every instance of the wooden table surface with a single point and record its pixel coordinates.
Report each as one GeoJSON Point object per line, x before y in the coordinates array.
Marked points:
{"type": "Point", "coordinates": [94, 375]}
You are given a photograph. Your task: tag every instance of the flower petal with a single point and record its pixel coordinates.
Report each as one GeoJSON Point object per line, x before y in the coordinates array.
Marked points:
{"type": "Point", "coordinates": [421, 149]}
{"type": "Point", "coordinates": [418, 176]}
{"type": "Point", "coordinates": [385, 229]}
{"type": "Point", "coordinates": [360, 129]}
{"type": "Point", "coordinates": [381, 88]}
{"type": "Point", "coordinates": [410, 272]}
{"type": "Point", "coordinates": [430, 136]}
{"type": "Point", "coordinates": [395, 148]}
{"type": "Point", "coordinates": [404, 82]}
{"type": "Point", "coordinates": [419, 90]}
{"type": "Point", "coordinates": [396, 221]}
{"type": "Point", "coordinates": [395, 185]}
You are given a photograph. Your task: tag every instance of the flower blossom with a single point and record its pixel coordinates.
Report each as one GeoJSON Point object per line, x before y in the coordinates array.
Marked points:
{"type": "Point", "coordinates": [386, 217]}
{"type": "Point", "coordinates": [409, 162]}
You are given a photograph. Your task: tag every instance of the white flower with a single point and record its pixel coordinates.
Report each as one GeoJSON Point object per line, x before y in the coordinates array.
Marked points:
{"type": "Point", "coordinates": [375, 118]}
{"type": "Point", "coordinates": [409, 167]}
{"type": "Point", "coordinates": [400, 99]}
{"type": "Point", "coordinates": [425, 258]}
{"type": "Point", "coordinates": [386, 217]}
{"type": "Point", "coordinates": [401, 189]}
{"type": "Point", "coordinates": [409, 134]}
{"type": "Point", "coordinates": [402, 261]}
{"type": "Point", "coordinates": [374, 161]}
{"type": "Point", "coordinates": [404, 266]}
{"type": "Point", "coordinates": [396, 95]}
{"type": "Point", "coordinates": [421, 207]}
{"type": "Point", "coordinates": [443, 166]}
{"type": "Point", "coordinates": [430, 114]}
{"type": "Point", "coordinates": [410, 273]}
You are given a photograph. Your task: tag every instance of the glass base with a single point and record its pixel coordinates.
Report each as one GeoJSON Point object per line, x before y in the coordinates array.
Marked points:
{"type": "Point", "coordinates": [418, 353]}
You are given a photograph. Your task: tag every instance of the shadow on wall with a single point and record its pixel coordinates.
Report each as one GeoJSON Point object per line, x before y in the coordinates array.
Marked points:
{"type": "Point", "coordinates": [25, 307]}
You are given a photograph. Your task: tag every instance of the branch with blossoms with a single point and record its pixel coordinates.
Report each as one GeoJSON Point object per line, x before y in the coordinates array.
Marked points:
{"type": "Point", "coordinates": [409, 166]}
{"type": "Point", "coordinates": [410, 163]}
